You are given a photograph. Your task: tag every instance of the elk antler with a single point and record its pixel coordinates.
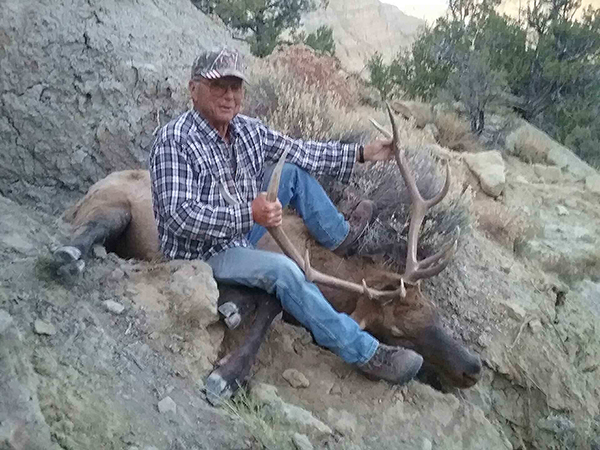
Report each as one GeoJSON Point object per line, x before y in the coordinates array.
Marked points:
{"type": "Point", "coordinates": [415, 270]}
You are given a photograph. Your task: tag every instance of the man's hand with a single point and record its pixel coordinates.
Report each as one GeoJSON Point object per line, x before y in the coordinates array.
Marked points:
{"type": "Point", "coordinates": [380, 150]}
{"type": "Point", "coordinates": [265, 213]}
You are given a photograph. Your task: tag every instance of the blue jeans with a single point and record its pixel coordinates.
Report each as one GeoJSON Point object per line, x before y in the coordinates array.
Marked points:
{"type": "Point", "coordinates": [279, 275]}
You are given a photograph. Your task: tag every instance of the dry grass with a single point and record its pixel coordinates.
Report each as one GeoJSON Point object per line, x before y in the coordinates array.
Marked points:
{"type": "Point", "coordinates": [300, 109]}
{"type": "Point", "coordinates": [268, 429]}
{"type": "Point", "coordinates": [455, 133]}
{"type": "Point", "coordinates": [529, 144]}
{"type": "Point", "coordinates": [503, 225]}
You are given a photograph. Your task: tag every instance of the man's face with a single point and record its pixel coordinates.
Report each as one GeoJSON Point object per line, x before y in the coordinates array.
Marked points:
{"type": "Point", "coordinates": [218, 100]}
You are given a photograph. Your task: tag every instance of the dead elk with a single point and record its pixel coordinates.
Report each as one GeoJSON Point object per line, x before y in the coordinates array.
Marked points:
{"type": "Point", "coordinates": [117, 212]}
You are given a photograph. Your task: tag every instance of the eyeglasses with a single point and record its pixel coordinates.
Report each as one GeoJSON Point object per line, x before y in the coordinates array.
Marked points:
{"type": "Point", "coordinates": [219, 87]}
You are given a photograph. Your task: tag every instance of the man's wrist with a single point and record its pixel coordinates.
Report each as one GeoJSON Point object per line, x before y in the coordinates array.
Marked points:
{"type": "Point", "coordinates": [361, 154]}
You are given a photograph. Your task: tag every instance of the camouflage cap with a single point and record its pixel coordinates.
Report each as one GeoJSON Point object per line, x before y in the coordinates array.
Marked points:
{"type": "Point", "coordinates": [223, 62]}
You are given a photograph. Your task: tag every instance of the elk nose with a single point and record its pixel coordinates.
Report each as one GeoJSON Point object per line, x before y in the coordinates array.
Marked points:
{"type": "Point", "coordinates": [474, 368]}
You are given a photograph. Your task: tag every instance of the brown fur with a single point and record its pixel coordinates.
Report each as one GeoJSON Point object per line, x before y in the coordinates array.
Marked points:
{"type": "Point", "coordinates": [411, 322]}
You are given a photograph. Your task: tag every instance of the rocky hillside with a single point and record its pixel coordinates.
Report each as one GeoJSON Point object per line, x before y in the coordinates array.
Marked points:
{"type": "Point", "coordinates": [116, 358]}
{"type": "Point", "coordinates": [363, 27]}
{"type": "Point", "coordinates": [64, 66]}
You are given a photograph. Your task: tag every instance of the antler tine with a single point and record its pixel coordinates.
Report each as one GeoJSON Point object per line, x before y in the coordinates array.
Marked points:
{"type": "Point", "coordinates": [304, 263]}
{"type": "Point", "coordinates": [414, 270]}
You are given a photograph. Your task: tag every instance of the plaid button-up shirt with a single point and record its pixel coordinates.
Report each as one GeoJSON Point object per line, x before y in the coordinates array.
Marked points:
{"type": "Point", "coordinates": [194, 182]}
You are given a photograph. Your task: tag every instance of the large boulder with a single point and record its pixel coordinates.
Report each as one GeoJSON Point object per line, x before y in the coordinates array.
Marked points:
{"type": "Point", "coordinates": [533, 145]}
{"type": "Point", "coordinates": [82, 83]}
{"type": "Point", "coordinates": [489, 169]}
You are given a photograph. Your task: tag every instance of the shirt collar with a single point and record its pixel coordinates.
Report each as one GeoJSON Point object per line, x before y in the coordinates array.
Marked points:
{"type": "Point", "coordinates": [209, 132]}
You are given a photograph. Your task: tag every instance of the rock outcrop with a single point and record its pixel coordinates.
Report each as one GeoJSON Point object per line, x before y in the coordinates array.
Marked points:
{"type": "Point", "coordinates": [363, 27]}
{"type": "Point", "coordinates": [82, 84]}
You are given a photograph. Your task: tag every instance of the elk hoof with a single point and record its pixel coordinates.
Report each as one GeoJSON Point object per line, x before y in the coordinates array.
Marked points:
{"type": "Point", "coordinates": [67, 254]}
{"type": "Point", "coordinates": [231, 315]}
{"type": "Point", "coordinates": [72, 269]}
{"type": "Point", "coordinates": [218, 389]}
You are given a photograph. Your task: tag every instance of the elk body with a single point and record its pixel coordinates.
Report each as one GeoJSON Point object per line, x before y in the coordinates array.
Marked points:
{"type": "Point", "coordinates": [117, 211]}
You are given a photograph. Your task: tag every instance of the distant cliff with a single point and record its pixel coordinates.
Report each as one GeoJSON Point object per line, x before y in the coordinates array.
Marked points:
{"type": "Point", "coordinates": [363, 27]}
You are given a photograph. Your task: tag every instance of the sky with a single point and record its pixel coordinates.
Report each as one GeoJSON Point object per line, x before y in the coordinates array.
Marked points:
{"type": "Point", "coordinates": [430, 10]}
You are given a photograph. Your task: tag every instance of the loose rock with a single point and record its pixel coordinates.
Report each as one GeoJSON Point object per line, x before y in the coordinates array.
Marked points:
{"type": "Point", "coordinates": [301, 442]}
{"type": "Point", "coordinates": [167, 404]}
{"type": "Point", "coordinates": [489, 168]}
{"type": "Point", "coordinates": [427, 445]}
{"type": "Point", "coordinates": [562, 211]}
{"type": "Point", "coordinates": [113, 307]}
{"type": "Point", "coordinates": [296, 378]}
{"type": "Point", "coordinates": [536, 326]}
{"type": "Point", "coordinates": [42, 327]}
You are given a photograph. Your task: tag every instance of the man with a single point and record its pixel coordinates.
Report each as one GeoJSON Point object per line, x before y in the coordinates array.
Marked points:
{"type": "Point", "coordinates": [207, 169]}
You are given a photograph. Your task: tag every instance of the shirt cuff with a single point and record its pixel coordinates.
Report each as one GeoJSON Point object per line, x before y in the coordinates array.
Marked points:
{"type": "Point", "coordinates": [349, 154]}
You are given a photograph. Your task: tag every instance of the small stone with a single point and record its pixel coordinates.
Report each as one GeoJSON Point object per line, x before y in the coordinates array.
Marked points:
{"type": "Point", "coordinates": [301, 442]}
{"type": "Point", "coordinates": [99, 251]}
{"type": "Point", "coordinates": [556, 424]}
{"type": "Point", "coordinates": [562, 211]}
{"type": "Point", "coordinates": [536, 326]}
{"type": "Point", "coordinates": [515, 311]}
{"type": "Point", "coordinates": [335, 390]}
{"type": "Point", "coordinates": [592, 183]}
{"type": "Point", "coordinates": [167, 404]}
{"type": "Point", "coordinates": [484, 339]}
{"type": "Point", "coordinates": [5, 321]}
{"type": "Point", "coordinates": [521, 179]}
{"type": "Point", "coordinates": [427, 445]}
{"type": "Point", "coordinates": [113, 307]}
{"type": "Point", "coordinates": [296, 378]}
{"type": "Point", "coordinates": [42, 327]}
{"type": "Point", "coordinates": [118, 274]}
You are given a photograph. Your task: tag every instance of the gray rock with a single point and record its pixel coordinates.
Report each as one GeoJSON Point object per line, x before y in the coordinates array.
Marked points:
{"type": "Point", "coordinates": [343, 422]}
{"type": "Point", "coordinates": [561, 210]}
{"type": "Point", "coordinates": [118, 274]}
{"type": "Point", "coordinates": [535, 326]}
{"type": "Point", "coordinates": [92, 88]}
{"type": "Point", "coordinates": [113, 307]}
{"type": "Point", "coordinates": [427, 444]}
{"type": "Point", "coordinates": [515, 311]}
{"type": "Point", "coordinates": [5, 321]}
{"type": "Point", "coordinates": [592, 183]}
{"type": "Point", "coordinates": [167, 404]}
{"type": "Point", "coordinates": [301, 442]}
{"type": "Point", "coordinates": [99, 251]}
{"type": "Point", "coordinates": [548, 174]}
{"type": "Point", "coordinates": [41, 327]}
{"type": "Point", "coordinates": [484, 339]}
{"type": "Point", "coordinates": [267, 394]}
{"type": "Point", "coordinates": [489, 168]}
{"type": "Point", "coordinates": [556, 424]}
{"type": "Point", "coordinates": [296, 378]}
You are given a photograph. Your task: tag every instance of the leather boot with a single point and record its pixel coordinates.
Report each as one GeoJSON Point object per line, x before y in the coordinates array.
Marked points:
{"type": "Point", "coordinates": [358, 221]}
{"type": "Point", "coordinates": [397, 365]}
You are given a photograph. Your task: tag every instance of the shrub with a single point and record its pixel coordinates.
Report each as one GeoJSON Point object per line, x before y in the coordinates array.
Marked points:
{"type": "Point", "coordinates": [455, 133]}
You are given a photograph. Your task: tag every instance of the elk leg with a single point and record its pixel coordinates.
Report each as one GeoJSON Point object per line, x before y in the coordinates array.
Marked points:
{"type": "Point", "coordinates": [236, 303]}
{"type": "Point", "coordinates": [99, 230]}
{"type": "Point", "coordinates": [227, 378]}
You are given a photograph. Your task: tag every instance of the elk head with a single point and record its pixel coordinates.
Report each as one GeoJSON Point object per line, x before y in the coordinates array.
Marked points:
{"type": "Point", "coordinates": [391, 306]}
